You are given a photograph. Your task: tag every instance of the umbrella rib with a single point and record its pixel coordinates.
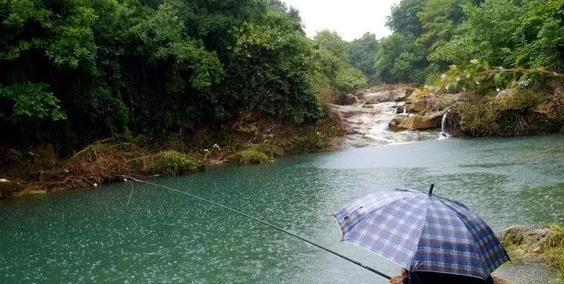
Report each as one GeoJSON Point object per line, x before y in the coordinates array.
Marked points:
{"type": "Point", "coordinates": [381, 208]}
{"type": "Point", "coordinates": [464, 221]}
{"type": "Point", "coordinates": [422, 230]}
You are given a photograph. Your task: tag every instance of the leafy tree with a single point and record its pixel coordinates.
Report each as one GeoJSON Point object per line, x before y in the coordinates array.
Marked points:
{"type": "Point", "coordinates": [439, 19]}
{"type": "Point", "coordinates": [403, 19]}
{"type": "Point", "coordinates": [332, 70]}
{"type": "Point", "coordinates": [508, 33]}
{"type": "Point", "coordinates": [91, 69]}
{"type": "Point", "coordinates": [401, 59]}
{"type": "Point", "coordinates": [362, 54]}
{"type": "Point", "coordinates": [332, 42]}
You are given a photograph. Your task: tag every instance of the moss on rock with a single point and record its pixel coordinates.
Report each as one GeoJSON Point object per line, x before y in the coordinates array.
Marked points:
{"type": "Point", "coordinates": [525, 243]}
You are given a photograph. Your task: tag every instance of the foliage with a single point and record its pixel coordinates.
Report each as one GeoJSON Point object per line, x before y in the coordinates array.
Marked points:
{"type": "Point", "coordinates": [332, 42]}
{"type": "Point", "coordinates": [332, 71]}
{"type": "Point", "coordinates": [30, 101]}
{"type": "Point", "coordinates": [401, 59]}
{"type": "Point", "coordinates": [362, 55]}
{"type": "Point", "coordinates": [511, 33]}
{"type": "Point", "coordinates": [270, 69]}
{"type": "Point", "coordinates": [91, 69]}
{"type": "Point", "coordinates": [403, 19]}
{"type": "Point", "coordinates": [174, 163]}
{"type": "Point", "coordinates": [439, 19]}
{"type": "Point", "coordinates": [479, 76]}
{"type": "Point", "coordinates": [251, 156]}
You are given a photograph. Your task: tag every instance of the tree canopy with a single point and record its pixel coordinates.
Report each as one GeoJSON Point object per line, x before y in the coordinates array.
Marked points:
{"type": "Point", "coordinates": [430, 35]}
{"type": "Point", "coordinates": [74, 71]}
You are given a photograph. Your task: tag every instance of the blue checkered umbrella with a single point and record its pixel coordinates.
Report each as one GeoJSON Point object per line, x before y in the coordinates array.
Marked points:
{"type": "Point", "coordinates": [423, 232]}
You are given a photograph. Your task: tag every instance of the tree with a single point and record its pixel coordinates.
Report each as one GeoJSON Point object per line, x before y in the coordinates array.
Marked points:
{"type": "Point", "coordinates": [332, 42]}
{"type": "Point", "coordinates": [362, 55]}
{"type": "Point", "coordinates": [85, 70]}
{"type": "Point", "coordinates": [508, 33]}
{"type": "Point", "coordinates": [403, 19]}
{"type": "Point", "coordinates": [401, 59]}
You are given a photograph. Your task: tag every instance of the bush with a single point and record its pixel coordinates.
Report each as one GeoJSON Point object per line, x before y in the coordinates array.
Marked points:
{"type": "Point", "coordinates": [174, 163]}
{"type": "Point", "coordinates": [251, 156]}
{"type": "Point", "coordinates": [310, 142]}
{"type": "Point", "coordinates": [478, 115]}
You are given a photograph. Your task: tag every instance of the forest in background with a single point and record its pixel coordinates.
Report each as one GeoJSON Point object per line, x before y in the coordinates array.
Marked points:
{"type": "Point", "coordinates": [75, 71]}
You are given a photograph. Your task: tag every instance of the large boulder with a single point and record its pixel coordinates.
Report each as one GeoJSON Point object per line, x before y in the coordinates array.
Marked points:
{"type": "Point", "coordinates": [386, 96]}
{"type": "Point", "coordinates": [525, 236]}
{"type": "Point", "coordinates": [417, 121]}
{"type": "Point", "coordinates": [530, 243]}
{"type": "Point", "coordinates": [349, 99]}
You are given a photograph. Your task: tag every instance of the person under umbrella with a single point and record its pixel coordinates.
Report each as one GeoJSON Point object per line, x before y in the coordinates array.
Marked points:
{"type": "Point", "coordinates": [435, 240]}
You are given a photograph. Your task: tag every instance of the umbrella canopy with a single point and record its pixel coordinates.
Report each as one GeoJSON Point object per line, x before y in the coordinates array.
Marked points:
{"type": "Point", "coordinates": [422, 232]}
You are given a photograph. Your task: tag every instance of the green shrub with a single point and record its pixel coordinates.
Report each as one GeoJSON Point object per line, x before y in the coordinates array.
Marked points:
{"type": "Point", "coordinates": [174, 163]}
{"type": "Point", "coordinates": [310, 142]}
{"type": "Point", "coordinates": [251, 156]}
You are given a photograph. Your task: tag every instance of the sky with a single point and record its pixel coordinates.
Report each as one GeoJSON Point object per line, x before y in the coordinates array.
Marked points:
{"type": "Point", "coordinates": [350, 18]}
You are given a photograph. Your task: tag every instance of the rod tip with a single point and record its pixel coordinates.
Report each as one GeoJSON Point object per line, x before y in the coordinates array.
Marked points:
{"type": "Point", "coordinates": [431, 189]}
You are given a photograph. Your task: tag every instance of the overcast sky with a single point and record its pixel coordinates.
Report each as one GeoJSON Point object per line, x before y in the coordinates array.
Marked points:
{"type": "Point", "coordinates": [350, 18]}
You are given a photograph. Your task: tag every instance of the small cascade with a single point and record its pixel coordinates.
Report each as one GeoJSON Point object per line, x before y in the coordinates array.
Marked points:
{"type": "Point", "coordinates": [368, 122]}
{"type": "Point", "coordinates": [444, 132]}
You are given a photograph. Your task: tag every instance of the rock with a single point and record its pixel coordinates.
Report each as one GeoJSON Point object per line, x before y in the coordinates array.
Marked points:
{"type": "Point", "coordinates": [521, 235]}
{"type": "Point", "coordinates": [349, 99]}
{"type": "Point", "coordinates": [417, 122]}
{"type": "Point", "coordinates": [386, 96]}
{"type": "Point", "coordinates": [527, 245]}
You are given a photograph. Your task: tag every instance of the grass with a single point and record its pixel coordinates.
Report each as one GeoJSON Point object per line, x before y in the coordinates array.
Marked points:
{"type": "Point", "coordinates": [251, 156]}
{"type": "Point", "coordinates": [554, 248]}
{"type": "Point", "coordinates": [174, 163]}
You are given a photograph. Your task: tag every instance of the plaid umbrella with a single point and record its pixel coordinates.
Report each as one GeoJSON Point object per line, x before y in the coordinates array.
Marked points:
{"type": "Point", "coordinates": [423, 233]}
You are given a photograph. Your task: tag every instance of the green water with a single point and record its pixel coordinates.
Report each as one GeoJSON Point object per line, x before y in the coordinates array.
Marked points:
{"type": "Point", "coordinates": [94, 236]}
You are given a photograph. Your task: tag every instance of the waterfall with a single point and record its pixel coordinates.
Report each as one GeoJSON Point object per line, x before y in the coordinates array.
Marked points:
{"type": "Point", "coordinates": [405, 109]}
{"type": "Point", "coordinates": [444, 132]}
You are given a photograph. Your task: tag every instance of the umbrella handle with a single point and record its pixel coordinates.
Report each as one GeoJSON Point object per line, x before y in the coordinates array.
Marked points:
{"type": "Point", "coordinates": [431, 189]}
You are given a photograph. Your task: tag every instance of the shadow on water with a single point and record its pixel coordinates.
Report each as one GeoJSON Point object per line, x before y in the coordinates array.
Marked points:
{"type": "Point", "coordinates": [94, 236]}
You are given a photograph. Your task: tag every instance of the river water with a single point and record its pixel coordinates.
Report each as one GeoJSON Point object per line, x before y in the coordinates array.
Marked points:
{"type": "Point", "coordinates": [95, 236]}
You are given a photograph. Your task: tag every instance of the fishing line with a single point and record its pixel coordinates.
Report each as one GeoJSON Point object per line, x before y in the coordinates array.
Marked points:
{"type": "Point", "coordinates": [264, 223]}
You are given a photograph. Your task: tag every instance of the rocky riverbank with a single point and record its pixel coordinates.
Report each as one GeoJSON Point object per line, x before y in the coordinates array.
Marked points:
{"type": "Point", "coordinates": [537, 254]}
{"type": "Point", "coordinates": [399, 114]}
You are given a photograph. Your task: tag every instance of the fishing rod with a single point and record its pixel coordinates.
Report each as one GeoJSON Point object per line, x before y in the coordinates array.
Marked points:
{"type": "Point", "coordinates": [264, 223]}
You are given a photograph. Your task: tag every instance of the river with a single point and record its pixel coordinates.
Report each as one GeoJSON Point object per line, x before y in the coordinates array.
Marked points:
{"type": "Point", "coordinates": [95, 236]}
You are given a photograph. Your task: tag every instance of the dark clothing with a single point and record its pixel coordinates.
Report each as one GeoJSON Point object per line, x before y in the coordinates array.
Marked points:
{"type": "Point", "coordinates": [440, 278]}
